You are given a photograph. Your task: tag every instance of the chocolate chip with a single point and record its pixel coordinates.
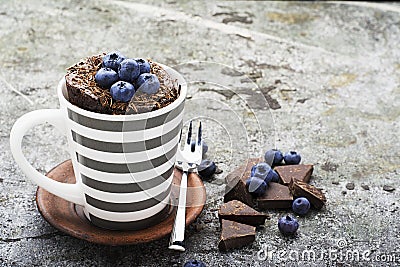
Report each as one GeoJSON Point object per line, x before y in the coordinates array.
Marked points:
{"type": "Point", "coordinates": [239, 212]}
{"type": "Point", "coordinates": [365, 186]}
{"type": "Point", "coordinates": [350, 186]}
{"type": "Point", "coordinates": [335, 182]}
{"type": "Point", "coordinates": [218, 171]}
{"type": "Point", "coordinates": [388, 188]}
{"type": "Point", "coordinates": [207, 220]}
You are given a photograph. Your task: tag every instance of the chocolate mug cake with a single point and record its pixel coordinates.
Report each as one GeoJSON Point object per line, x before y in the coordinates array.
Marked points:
{"type": "Point", "coordinates": [88, 91]}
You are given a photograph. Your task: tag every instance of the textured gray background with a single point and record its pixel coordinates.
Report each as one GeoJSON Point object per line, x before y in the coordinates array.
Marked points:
{"type": "Point", "coordinates": [321, 78]}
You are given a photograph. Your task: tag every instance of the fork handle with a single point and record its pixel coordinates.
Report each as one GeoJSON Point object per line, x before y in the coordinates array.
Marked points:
{"type": "Point", "coordinates": [178, 232]}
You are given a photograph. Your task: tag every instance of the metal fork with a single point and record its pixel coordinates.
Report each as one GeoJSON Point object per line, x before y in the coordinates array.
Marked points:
{"type": "Point", "coordinates": [188, 158]}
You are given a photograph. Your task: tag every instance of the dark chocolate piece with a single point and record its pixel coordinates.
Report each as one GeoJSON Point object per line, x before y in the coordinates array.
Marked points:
{"type": "Point", "coordinates": [235, 235]}
{"type": "Point", "coordinates": [277, 196]}
{"type": "Point", "coordinates": [237, 211]}
{"type": "Point", "coordinates": [236, 183]}
{"type": "Point", "coordinates": [388, 188]}
{"type": "Point", "coordinates": [313, 194]}
{"type": "Point", "coordinates": [84, 92]}
{"type": "Point", "coordinates": [82, 88]}
{"type": "Point", "coordinates": [300, 172]}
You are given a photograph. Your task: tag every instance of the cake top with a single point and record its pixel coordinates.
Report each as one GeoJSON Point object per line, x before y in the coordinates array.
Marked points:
{"type": "Point", "coordinates": [87, 91]}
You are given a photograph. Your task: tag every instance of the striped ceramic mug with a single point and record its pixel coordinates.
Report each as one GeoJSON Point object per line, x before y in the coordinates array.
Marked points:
{"type": "Point", "coordinates": [123, 163]}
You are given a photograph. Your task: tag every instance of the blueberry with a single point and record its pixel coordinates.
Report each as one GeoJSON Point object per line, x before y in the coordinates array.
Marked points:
{"type": "Point", "coordinates": [194, 263]}
{"type": "Point", "coordinates": [129, 70]}
{"type": "Point", "coordinates": [147, 83]}
{"type": "Point", "coordinates": [301, 205]}
{"type": "Point", "coordinates": [122, 91]}
{"type": "Point", "coordinates": [292, 158]}
{"type": "Point", "coordinates": [113, 60]}
{"type": "Point", "coordinates": [273, 176]}
{"type": "Point", "coordinates": [206, 169]}
{"type": "Point", "coordinates": [144, 65]}
{"type": "Point", "coordinates": [105, 77]}
{"type": "Point", "coordinates": [261, 171]}
{"type": "Point", "coordinates": [288, 225]}
{"type": "Point", "coordinates": [256, 186]}
{"type": "Point", "coordinates": [273, 157]}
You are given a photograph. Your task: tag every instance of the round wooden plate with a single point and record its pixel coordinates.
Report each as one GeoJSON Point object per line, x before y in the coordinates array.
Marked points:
{"type": "Point", "coordinates": [69, 218]}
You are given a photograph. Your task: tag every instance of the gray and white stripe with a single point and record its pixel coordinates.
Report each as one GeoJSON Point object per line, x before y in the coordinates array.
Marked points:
{"type": "Point", "coordinates": [127, 202]}
{"type": "Point", "coordinates": [121, 126]}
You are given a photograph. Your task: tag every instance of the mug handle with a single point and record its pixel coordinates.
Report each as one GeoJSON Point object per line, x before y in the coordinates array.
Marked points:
{"type": "Point", "coordinates": [69, 192]}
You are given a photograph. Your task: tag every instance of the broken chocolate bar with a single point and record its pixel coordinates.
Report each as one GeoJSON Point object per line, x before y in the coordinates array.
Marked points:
{"type": "Point", "coordinates": [239, 212]}
{"type": "Point", "coordinates": [236, 183]}
{"type": "Point", "coordinates": [235, 235]}
{"type": "Point", "coordinates": [300, 172]}
{"type": "Point", "coordinates": [313, 194]}
{"type": "Point", "coordinates": [277, 196]}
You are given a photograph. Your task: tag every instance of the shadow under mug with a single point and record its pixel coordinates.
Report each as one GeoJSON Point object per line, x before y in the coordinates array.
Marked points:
{"type": "Point", "coordinates": [123, 163]}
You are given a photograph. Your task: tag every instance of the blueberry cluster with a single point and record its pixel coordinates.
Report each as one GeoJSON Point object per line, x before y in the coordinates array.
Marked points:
{"type": "Point", "coordinates": [274, 157]}
{"type": "Point", "coordinates": [263, 173]}
{"type": "Point", "coordinates": [125, 76]}
{"type": "Point", "coordinates": [288, 225]}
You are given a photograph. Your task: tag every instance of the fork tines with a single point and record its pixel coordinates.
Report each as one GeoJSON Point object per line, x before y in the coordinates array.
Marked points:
{"type": "Point", "coordinates": [199, 133]}
{"type": "Point", "coordinates": [195, 143]}
{"type": "Point", "coordinates": [189, 134]}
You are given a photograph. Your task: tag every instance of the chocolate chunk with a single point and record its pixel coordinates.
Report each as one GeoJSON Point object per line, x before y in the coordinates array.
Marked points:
{"type": "Point", "coordinates": [236, 189]}
{"type": "Point", "coordinates": [276, 196]}
{"type": "Point", "coordinates": [365, 186]}
{"type": "Point", "coordinates": [236, 183]}
{"type": "Point", "coordinates": [237, 211]}
{"type": "Point", "coordinates": [313, 194]}
{"type": "Point", "coordinates": [388, 188]}
{"type": "Point", "coordinates": [300, 172]}
{"type": "Point", "coordinates": [350, 186]}
{"type": "Point", "coordinates": [235, 235]}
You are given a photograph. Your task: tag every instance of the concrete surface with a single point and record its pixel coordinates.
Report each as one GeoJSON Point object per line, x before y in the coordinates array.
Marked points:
{"type": "Point", "coordinates": [318, 77]}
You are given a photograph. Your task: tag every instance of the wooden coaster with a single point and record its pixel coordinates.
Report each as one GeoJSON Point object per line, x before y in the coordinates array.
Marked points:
{"type": "Point", "coordinates": [69, 218]}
